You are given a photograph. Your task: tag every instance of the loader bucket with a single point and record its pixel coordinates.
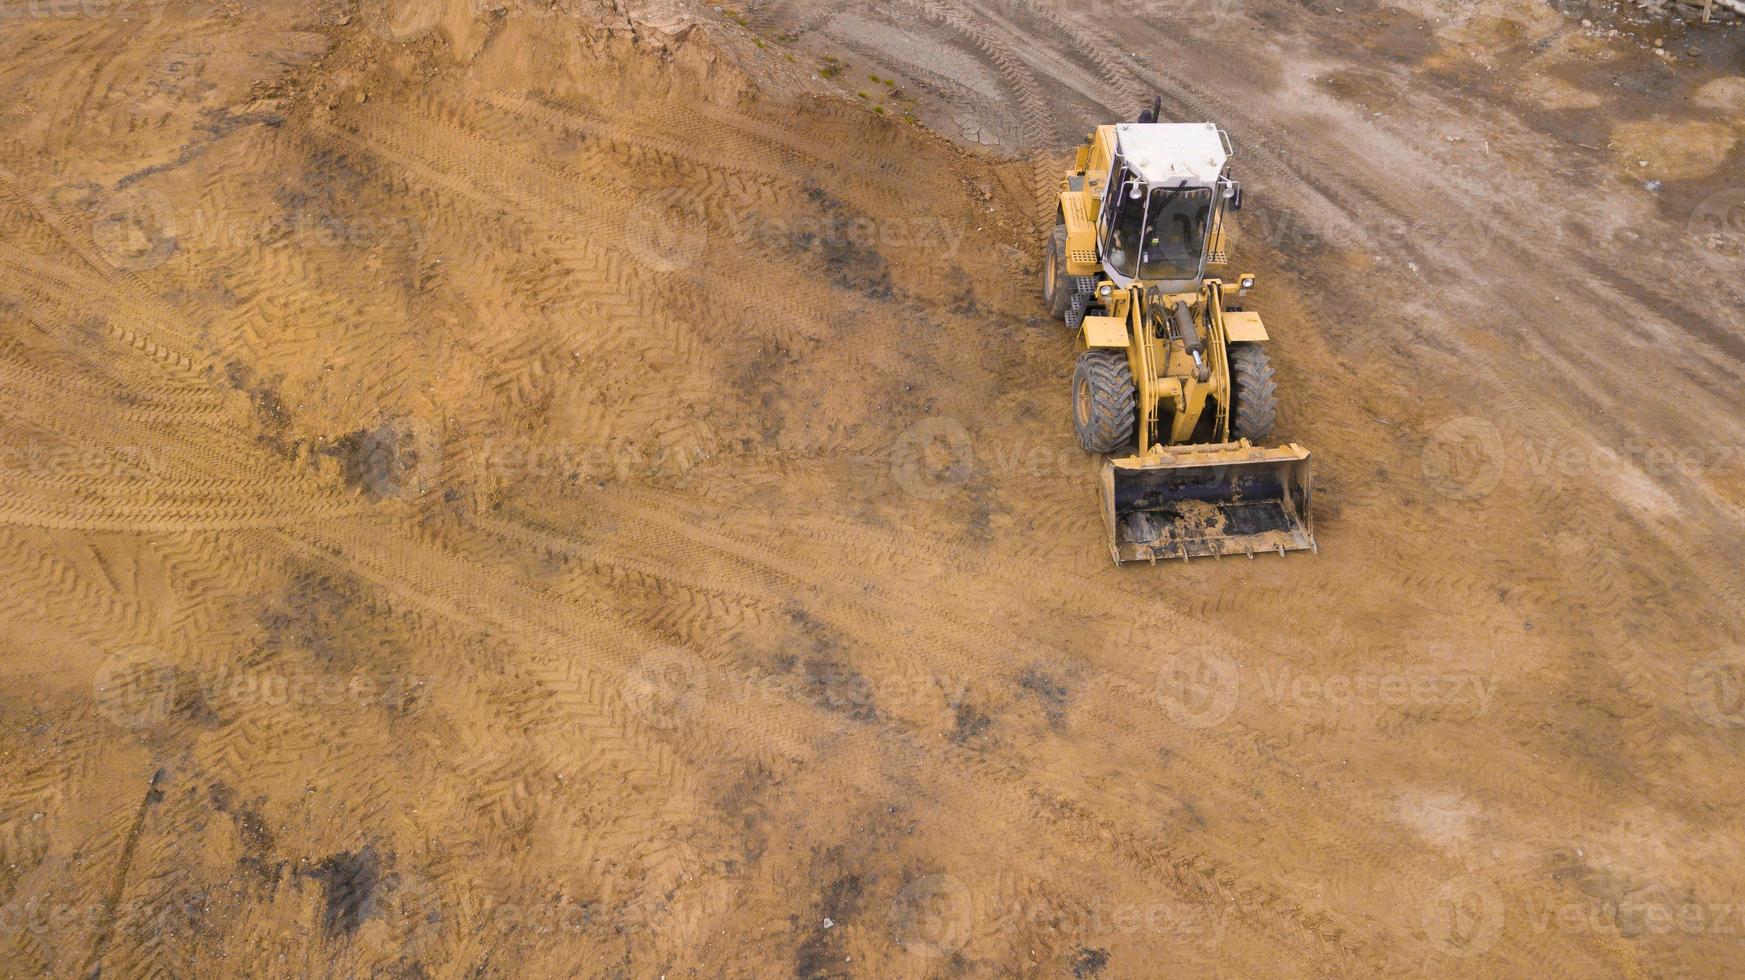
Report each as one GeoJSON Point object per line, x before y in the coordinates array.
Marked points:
{"type": "Point", "coordinates": [1193, 501]}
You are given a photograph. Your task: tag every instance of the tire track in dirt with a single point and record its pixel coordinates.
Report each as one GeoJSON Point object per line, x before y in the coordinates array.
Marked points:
{"type": "Point", "coordinates": [1027, 94]}
{"type": "Point", "coordinates": [685, 306]}
{"type": "Point", "coordinates": [529, 764]}
{"type": "Point", "coordinates": [105, 929]}
{"type": "Point", "coordinates": [1075, 820]}
{"type": "Point", "coordinates": [844, 601]}
{"type": "Point", "coordinates": [1609, 604]}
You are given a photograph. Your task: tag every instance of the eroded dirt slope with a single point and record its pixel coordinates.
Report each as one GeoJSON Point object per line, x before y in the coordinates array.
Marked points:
{"type": "Point", "coordinates": [527, 490]}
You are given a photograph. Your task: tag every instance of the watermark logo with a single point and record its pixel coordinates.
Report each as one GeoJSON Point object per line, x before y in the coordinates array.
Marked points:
{"type": "Point", "coordinates": [136, 921]}
{"type": "Point", "coordinates": [1210, 14]}
{"type": "Point", "coordinates": [665, 232]}
{"type": "Point", "coordinates": [933, 457]}
{"type": "Point", "coordinates": [1207, 923]}
{"type": "Point", "coordinates": [1636, 918]}
{"type": "Point", "coordinates": [1464, 917]}
{"type": "Point", "coordinates": [135, 687]}
{"type": "Point", "coordinates": [307, 227]}
{"type": "Point", "coordinates": [1715, 690]}
{"type": "Point", "coordinates": [1464, 458]}
{"type": "Point", "coordinates": [849, 234]}
{"type": "Point", "coordinates": [933, 916]}
{"type": "Point", "coordinates": [1285, 230]}
{"type": "Point", "coordinates": [1406, 687]}
{"type": "Point", "coordinates": [510, 459]}
{"type": "Point", "coordinates": [232, 687]}
{"type": "Point", "coordinates": [45, 460]}
{"type": "Point", "coordinates": [1718, 223]}
{"type": "Point", "coordinates": [1198, 688]}
{"type": "Point", "coordinates": [135, 229]}
{"type": "Point", "coordinates": [666, 688]}
{"type": "Point", "coordinates": [150, 12]}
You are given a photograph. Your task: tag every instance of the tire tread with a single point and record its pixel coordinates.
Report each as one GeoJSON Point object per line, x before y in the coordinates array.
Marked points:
{"type": "Point", "coordinates": [1254, 392]}
{"type": "Point", "coordinates": [1114, 410]}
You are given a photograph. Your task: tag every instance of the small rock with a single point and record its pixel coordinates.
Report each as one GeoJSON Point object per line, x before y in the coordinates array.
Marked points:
{"type": "Point", "coordinates": [1652, 185]}
{"type": "Point", "coordinates": [344, 19]}
{"type": "Point", "coordinates": [363, 97]}
{"type": "Point", "coordinates": [1586, 23]}
{"type": "Point", "coordinates": [827, 923]}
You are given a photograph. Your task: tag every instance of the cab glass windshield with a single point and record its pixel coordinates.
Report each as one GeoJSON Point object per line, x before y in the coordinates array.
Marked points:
{"type": "Point", "coordinates": [1175, 233]}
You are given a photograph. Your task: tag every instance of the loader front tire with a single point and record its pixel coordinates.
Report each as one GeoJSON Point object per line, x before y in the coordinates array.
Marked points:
{"type": "Point", "coordinates": [1056, 288]}
{"type": "Point", "coordinates": [1103, 409]}
{"type": "Point", "coordinates": [1253, 393]}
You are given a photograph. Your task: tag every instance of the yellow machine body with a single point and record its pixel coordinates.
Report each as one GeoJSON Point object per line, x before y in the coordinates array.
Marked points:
{"type": "Point", "coordinates": [1189, 484]}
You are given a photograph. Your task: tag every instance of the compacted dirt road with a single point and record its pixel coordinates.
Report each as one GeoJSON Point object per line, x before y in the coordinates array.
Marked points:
{"type": "Point", "coordinates": [586, 489]}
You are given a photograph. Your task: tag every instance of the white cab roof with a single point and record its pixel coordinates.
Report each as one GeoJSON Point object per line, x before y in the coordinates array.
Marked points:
{"type": "Point", "coordinates": [1165, 153]}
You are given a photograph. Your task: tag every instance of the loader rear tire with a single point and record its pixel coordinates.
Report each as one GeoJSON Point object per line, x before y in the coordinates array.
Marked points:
{"type": "Point", "coordinates": [1103, 409]}
{"type": "Point", "coordinates": [1056, 287]}
{"type": "Point", "coordinates": [1253, 393]}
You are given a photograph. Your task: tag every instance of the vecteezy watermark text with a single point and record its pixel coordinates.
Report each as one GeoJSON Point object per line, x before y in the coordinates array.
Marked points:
{"type": "Point", "coordinates": [1467, 457]}
{"type": "Point", "coordinates": [1202, 687]}
{"type": "Point", "coordinates": [139, 687]}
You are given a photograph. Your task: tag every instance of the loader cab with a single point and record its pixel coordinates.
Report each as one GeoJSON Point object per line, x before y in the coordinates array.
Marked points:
{"type": "Point", "coordinates": [1164, 203]}
{"type": "Point", "coordinates": [1158, 234]}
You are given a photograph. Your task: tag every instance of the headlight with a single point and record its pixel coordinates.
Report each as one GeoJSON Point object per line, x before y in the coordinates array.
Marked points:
{"type": "Point", "coordinates": [1106, 290]}
{"type": "Point", "coordinates": [1247, 282]}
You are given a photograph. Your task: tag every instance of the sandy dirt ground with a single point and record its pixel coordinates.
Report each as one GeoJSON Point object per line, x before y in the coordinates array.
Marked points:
{"type": "Point", "coordinates": [568, 489]}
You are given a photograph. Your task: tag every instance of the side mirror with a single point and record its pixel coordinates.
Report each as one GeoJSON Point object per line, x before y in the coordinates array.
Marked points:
{"type": "Point", "coordinates": [1235, 196]}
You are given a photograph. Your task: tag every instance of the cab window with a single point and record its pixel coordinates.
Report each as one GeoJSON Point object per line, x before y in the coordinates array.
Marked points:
{"type": "Point", "coordinates": [1126, 227]}
{"type": "Point", "coordinates": [1175, 234]}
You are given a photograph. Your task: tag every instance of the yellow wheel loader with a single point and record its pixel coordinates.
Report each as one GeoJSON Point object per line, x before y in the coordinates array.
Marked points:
{"type": "Point", "coordinates": [1173, 383]}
